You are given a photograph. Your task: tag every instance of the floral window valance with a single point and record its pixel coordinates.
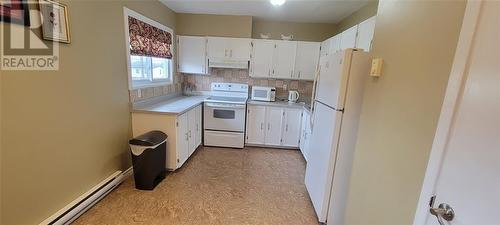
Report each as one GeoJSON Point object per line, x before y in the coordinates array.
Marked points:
{"type": "Point", "coordinates": [148, 40]}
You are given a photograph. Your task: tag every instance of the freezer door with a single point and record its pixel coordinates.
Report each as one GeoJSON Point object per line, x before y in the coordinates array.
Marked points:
{"type": "Point", "coordinates": [322, 154]}
{"type": "Point", "coordinates": [332, 81]}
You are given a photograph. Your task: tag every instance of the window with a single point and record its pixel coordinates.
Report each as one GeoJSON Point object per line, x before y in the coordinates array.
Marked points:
{"type": "Point", "coordinates": [149, 46]}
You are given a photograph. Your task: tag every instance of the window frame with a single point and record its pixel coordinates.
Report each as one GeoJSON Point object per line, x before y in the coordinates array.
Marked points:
{"type": "Point", "coordinates": [144, 84]}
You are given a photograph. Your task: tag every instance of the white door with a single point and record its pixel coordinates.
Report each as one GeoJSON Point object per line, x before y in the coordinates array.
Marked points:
{"type": "Point", "coordinates": [182, 139]}
{"type": "Point", "coordinates": [198, 126]}
{"type": "Point", "coordinates": [217, 48]}
{"type": "Point", "coordinates": [291, 127]}
{"type": "Point", "coordinates": [306, 132]}
{"type": "Point", "coordinates": [256, 124]}
{"type": "Point", "coordinates": [333, 79]}
{"type": "Point", "coordinates": [274, 118]}
{"type": "Point", "coordinates": [348, 38]}
{"type": "Point", "coordinates": [463, 169]}
{"type": "Point", "coordinates": [320, 164]}
{"type": "Point", "coordinates": [191, 54]}
{"type": "Point", "coordinates": [284, 59]}
{"type": "Point", "coordinates": [306, 61]}
{"type": "Point", "coordinates": [240, 48]}
{"type": "Point", "coordinates": [192, 130]}
{"type": "Point", "coordinates": [334, 44]}
{"type": "Point", "coordinates": [365, 34]}
{"type": "Point", "coordinates": [262, 58]}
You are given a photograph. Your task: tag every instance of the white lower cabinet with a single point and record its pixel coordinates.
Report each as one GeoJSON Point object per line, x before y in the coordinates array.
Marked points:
{"type": "Point", "coordinates": [273, 126]}
{"type": "Point", "coordinates": [305, 134]}
{"type": "Point", "coordinates": [188, 134]}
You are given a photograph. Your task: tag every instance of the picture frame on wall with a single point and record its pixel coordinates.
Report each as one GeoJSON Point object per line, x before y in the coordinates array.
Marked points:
{"type": "Point", "coordinates": [15, 11]}
{"type": "Point", "coordinates": [55, 21]}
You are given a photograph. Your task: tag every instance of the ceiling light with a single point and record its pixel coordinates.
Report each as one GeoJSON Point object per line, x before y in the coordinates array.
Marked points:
{"type": "Point", "coordinates": [277, 2]}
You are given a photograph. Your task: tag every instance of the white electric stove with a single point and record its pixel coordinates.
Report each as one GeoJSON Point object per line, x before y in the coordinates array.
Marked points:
{"type": "Point", "coordinates": [224, 115]}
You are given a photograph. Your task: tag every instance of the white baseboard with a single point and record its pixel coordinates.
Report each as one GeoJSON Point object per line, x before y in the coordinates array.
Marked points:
{"type": "Point", "coordinates": [84, 202]}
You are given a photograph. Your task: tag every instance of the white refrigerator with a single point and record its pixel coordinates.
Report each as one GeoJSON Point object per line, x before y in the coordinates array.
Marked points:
{"type": "Point", "coordinates": [337, 106]}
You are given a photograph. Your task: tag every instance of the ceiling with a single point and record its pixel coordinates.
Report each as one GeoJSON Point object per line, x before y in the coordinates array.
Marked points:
{"type": "Point", "coordinates": [307, 11]}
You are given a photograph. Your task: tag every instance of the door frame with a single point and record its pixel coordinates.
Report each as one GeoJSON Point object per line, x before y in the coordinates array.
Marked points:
{"type": "Point", "coordinates": [454, 92]}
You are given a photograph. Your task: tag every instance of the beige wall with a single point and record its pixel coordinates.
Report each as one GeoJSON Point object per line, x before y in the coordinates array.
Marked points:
{"type": "Point", "coordinates": [214, 25]}
{"type": "Point", "coordinates": [359, 16]}
{"type": "Point", "coordinates": [417, 40]}
{"type": "Point", "coordinates": [67, 130]}
{"type": "Point", "coordinates": [300, 31]}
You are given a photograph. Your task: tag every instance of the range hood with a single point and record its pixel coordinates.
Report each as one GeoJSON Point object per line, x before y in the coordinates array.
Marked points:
{"type": "Point", "coordinates": [228, 63]}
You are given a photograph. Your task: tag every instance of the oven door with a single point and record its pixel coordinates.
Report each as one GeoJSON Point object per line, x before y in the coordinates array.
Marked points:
{"type": "Point", "coordinates": [224, 117]}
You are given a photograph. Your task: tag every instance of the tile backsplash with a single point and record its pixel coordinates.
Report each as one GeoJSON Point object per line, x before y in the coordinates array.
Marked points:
{"type": "Point", "coordinates": [150, 92]}
{"type": "Point", "coordinates": [202, 82]}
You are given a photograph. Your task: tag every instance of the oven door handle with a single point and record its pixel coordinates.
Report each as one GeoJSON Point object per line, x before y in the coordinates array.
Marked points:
{"type": "Point", "coordinates": [224, 106]}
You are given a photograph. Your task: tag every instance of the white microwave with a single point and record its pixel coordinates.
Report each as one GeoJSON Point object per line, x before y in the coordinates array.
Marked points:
{"type": "Point", "coordinates": [267, 94]}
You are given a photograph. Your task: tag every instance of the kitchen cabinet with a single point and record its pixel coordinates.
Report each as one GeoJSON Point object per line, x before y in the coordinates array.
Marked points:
{"type": "Point", "coordinates": [262, 58]}
{"type": "Point", "coordinates": [273, 126]}
{"type": "Point", "coordinates": [334, 44]}
{"type": "Point", "coordinates": [221, 48]}
{"type": "Point", "coordinates": [306, 61]}
{"type": "Point", "coordinates": [192, 54]}
{"type": "Point", "coordinates": [199, 128]}
{"type": "Point", "coordinates": [365, 34]}
{"type": "Point", "coordinates": [256, 124]}
{"type": "Point", "coordinates": [305, 134]}
{"type": "Point", "coordinates": [274, 123]}
{"type": "Point", "coordinates": [325, 47]}
{"type": "Point", "coordinates": [348, 38]}
{"type": "Point", "coordinates": [189, 133]}
{"type": "Point", "coordinates": [291, 127]}
{"type": "Point", "coordinates": [284, 59]}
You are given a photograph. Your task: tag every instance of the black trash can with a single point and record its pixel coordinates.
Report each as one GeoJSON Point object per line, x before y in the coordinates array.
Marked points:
{"type": "Point", "coordinates": [148, 159]}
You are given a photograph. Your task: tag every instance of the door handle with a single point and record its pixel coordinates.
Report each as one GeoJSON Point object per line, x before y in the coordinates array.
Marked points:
{"type": "Point", "coordinates": [443, 211]}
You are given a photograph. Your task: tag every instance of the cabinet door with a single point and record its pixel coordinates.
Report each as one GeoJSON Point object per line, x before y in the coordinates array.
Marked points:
{"type": "Point", "coordinates": [348, 38]}
{"type": "Point", "coordinates": [306, 132]}
{"type": "Point", "coordinates": [262, 58]}
{"type": "Point", "coordinates": [191, 130]}
{"type": "Point", "coordinates": [182, 139]}
{"type": "Point", "coordinates": [240, 48]}
{"type": "Point", "coordinates": [274, 120]}
{"type": "Point", "coordinates": [284, 59]}
{"type": "Point", "coordinates": [191, 54]}
{"type": "Point", "coordinates": [217, 48]}
{"type": "Point", "coordinates": [306, 60]}
{"type": "Point", "coordinates": [256, 124]}
{"type": "Point", "coordinates": [365, 34]}
{"type": "Point", "coordinates": [199, 129]}
{"type": "Point", "coordinates": [325, 47]}
{"type": "Point", "coordinates": [291, 127]}
{"type": "Point", "coordinates": [334, 44]}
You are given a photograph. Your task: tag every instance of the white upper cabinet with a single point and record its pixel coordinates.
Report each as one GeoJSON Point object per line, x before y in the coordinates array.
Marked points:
{"type": "Point", "coordinates": [348, 38]}
{"type": "Point", "coordinates": [365, 34]}
{"type": "Point", "coordinates": [306, 60]}
{"type": "Point", "coordinates": [325, 47]}
{"type": "Point", "coordinates": [334, 44]}
{"type": "Point", "coordinates": [262, 58]}
{"type": "Point", "coordinates": [192, 54]}
{"type": "Point", "coordinates": [284, 59]}
{"type": "Point", "coordinates": [220, 48]}
{"type": "Point", "coordinates": [291, 127]}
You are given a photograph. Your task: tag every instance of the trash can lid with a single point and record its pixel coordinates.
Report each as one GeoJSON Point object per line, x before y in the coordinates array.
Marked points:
{"type": "Point", "coordinates": [151, 138]}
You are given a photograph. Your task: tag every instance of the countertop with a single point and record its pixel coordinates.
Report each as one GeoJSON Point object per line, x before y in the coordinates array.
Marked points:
{"type": "Point", "coordinates": [285, 104]}
{"type": "Point", "coordinates": [176, 105]}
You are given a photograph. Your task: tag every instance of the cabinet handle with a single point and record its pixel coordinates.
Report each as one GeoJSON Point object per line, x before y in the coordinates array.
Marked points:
{"type": "Point", "coordinates": [262, 126]}
{"type": "Point", "coordinates": [286, 127]}
{"type": "Point", "coordinates": [189, 134]}
{"type": "Point", "coordinates": [225, 52]}
{"type": "Point", "coordinates": [186, 134]}
{"type": "Point", "coordinates": [299, 74]}
{"type": "Point", "coordinates": [269, 72]}
{"type": "Point", "coordinates": [268, 126]}
{"type": "Point", "coordinates": [231, 53]}
{"type": "Point", "coordinates": [291, 73]}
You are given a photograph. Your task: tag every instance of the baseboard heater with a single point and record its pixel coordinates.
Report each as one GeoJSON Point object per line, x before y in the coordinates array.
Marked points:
{"type": "Point", "coordinates": [76, 208]}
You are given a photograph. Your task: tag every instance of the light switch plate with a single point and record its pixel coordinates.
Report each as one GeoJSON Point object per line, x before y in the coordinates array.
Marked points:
{"type": "Point", "coordinates": [376, 70]}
